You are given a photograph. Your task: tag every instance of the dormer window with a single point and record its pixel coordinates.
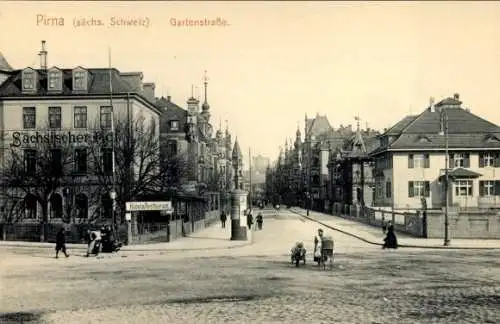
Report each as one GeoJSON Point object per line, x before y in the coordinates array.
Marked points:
{"type": "Point", "coordinates": [55, 81]}
{"type": "Point", "coordinates": [79, 79]}
{"type": "Point", "coordinates": [29, 78]}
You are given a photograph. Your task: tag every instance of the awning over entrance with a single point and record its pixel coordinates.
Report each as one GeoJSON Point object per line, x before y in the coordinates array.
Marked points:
{"type": "Point", "coordinates": [460, 173]}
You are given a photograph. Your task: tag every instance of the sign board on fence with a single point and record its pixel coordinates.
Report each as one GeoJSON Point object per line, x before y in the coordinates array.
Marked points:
{"type": "Point", "coordinates": [148, 205]}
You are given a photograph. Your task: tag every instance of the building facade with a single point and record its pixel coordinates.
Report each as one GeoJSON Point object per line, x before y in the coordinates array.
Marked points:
{"type": "Point", "coordinates": [350, 170]}
{"type": "Point", "coordinates": [67, 110]}
{"type": "Point", "coordinates": [414, 154]}
{"type": "Point", "coordinates": [203, 161]}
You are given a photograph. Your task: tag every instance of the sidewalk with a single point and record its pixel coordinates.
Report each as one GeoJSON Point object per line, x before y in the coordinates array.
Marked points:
{"type": "Point", "coordinates": [374, 235]}
{"type": "Point", "coordinates": [211, 238]}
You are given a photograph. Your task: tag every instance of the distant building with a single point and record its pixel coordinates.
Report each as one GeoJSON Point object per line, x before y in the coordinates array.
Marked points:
{"type": "Point", "coordinates": [350, 170]}
{"type": "Point", "coordinates": [204, 162]}
{"type": "Point", "coordinates": [410, 162]}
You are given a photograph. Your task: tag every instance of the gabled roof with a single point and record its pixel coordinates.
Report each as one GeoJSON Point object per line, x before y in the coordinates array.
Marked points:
{"type": "Point", "coordinates": [318, 125]}
{"type": "Point", "coordinates": [4, 65]}
{"type": "Point", "coordinates": [171, 111]}
{"type": "Point", "coordinates": [465, 130]}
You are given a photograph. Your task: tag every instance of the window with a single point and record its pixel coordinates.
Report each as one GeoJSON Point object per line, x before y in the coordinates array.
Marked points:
{"type": "Point", "coordinates": [55, 117]}
{"type": "Point", "coordinates": [28, 80]}
{"type": "Point", "coordinates": [379, 189]}
{"type": "Point", "coordinates": [80, 165]}
{"type": "Point", "coordinates": [418, 188]}
{"type": "Point", "coordinates": [486, 188]}
{"type": "Point", "coordinates": [459, 160]}
{"type": "Point", "coordinates": [80, 117]}
{"type": "Point", "coordinates": [30, 162]}
{"type": "Point", "coordinates": [81, 204]}
{"type": "Point", "coordinates": [172, 148]}
{"type": "Point", "coordinates": [388, 189]}
{"type": "Point", "coordinates": [54, 80]}
{"type": "Point", "coordinates": [418, 161]}
{"type": "Point", "coordinates": [79, 80]}
{"type": "Point", "coordinates": [174, 125]}
{"type": "Point", "coordinates": [56, 210]}
{"type": "Point", "coordinates": [30, 206]}
{"type": "Point", "coordinates": [107, 160]}
{"type": "Point", "coordinates": [488, 160]}
{"type": "Point", "coordinates": [106, 115]}
{"type": "Point", "coordinates": [29, 117]}
{"type": "Point", "coordinates": [463, 188]}
{"type": "Point", "coordinates": [56, 161]}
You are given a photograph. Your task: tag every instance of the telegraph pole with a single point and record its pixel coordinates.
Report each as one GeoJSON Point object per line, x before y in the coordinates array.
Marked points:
{"type": "Point", "coordinates": [446, 221]}
{"type": "Point", "coordinates": [250, 177]}
{"type": "Point", "coordinates": [112, 193]}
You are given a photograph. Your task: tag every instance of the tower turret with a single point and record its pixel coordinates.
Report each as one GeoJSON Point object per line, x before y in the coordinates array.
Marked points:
{"type": "Point", "coordinates": [237, 161]}
{"type": "Point", "coordinates": [205, 107]}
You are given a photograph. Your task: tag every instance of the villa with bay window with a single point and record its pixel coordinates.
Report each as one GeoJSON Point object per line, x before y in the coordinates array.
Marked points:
{"type": "Point", "coordinates": [411, 161]}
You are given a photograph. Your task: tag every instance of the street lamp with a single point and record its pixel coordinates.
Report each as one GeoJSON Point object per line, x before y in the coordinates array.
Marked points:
{"type": "Point", "coordinates": [444, 131]}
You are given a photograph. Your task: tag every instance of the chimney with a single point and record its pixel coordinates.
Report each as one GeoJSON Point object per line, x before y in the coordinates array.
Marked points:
{"type": "Point", "coordinates": [431, 104]}
{"type": "Point", "coordinates": [148, 91]}
{"type": "Point", "coordinates": [456, 96]}
{"type": "Point", "coordinates": [43, 57]}
{"type": "Point", "coordinates": [169, 98]}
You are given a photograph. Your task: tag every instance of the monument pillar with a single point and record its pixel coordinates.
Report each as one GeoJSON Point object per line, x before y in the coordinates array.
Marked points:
{"type": "Point", "coordinates": [238, 198]}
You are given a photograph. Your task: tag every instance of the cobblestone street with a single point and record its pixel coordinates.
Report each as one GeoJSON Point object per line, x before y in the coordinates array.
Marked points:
{"type": "Point", "coordinates": [254, 285]}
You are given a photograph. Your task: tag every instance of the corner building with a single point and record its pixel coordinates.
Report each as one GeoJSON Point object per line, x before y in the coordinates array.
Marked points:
{"type": "Point", "coordinates": [71, 106]}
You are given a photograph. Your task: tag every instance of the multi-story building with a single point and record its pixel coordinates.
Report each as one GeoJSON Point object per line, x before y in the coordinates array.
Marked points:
{"type": "Point", "coordinates": [350, 170]}
{"type": "Point", "coordinates": [411, 161]}
{"type": "Point", "coordinates": [203, 162]}
{"type": "Point", "coordinates": [67, 109]}
{"type": "Point", "coordinates": [320, 139]}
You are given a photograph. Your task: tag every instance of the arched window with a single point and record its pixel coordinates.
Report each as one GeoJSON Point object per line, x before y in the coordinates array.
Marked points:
{"type": "Point", "coordinates": [107, 206]}
{"type": "Point", "coordinates": [30, 206]}
{"type": "Point", "coordinates": [56, 210]}
{"type": "Point", "coordinates": [82, 205]}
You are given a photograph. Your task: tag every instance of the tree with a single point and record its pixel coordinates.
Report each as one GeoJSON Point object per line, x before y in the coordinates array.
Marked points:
{"type": "Point", "coordinates": [139, 168]}
{"type": "Point", "coordinates": [32, 174]}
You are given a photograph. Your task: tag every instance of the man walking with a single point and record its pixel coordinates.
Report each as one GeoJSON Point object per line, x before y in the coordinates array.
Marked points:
{"type": "Point", "coordinates": [61, 243]}
{"type": "Point", "coordinates": [249, 219]}
{"type": "Point", "coordinates": [223, 219]}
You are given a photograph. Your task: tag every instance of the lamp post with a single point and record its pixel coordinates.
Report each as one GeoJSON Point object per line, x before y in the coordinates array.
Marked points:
{"type": "Point", "coordinates": [444, 131]}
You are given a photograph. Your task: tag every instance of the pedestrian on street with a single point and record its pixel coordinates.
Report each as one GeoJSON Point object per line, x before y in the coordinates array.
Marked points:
{"type": "Point", "coordinates": [390, 241]}
{"type": "Point", "coordinates": [249, 219]}
{"type": "Point", "coordinates": [61, 243]}
{"type": "Point", "coordinates": [384, 225]}
{"type": "Point", "coordinates": [223, 219]}
{"type": "Point", "coordinates": [260, 220]}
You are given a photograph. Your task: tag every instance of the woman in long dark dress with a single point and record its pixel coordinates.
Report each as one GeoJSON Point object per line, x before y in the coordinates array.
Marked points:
{"type": "Point", "coordinates": [390, 241]}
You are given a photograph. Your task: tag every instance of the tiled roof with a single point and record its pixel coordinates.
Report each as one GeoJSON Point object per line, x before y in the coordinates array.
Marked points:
{"type": "Point", "coordinates": [413, 141]}
{"type": "Point", "coordinates": [98, 84]}
{"type": "Point", "coordinates": [171, 111]}
{"type": "Point", "coordinates": [399, 126]}
{"type": "Point", "coordinates": [319, 125]}
{"type": "Point", "coordinates": [465, 130]}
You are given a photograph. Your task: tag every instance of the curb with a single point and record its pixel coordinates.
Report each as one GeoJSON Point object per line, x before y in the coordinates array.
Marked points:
{"type": "Point", "coordinates": [132, 250]}
{"type": "Point", "coordinates": [399, 245]}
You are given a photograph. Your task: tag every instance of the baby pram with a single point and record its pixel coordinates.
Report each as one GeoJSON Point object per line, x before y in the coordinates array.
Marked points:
{"type": "Point", "coordinates": [298, 254]}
